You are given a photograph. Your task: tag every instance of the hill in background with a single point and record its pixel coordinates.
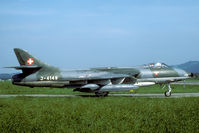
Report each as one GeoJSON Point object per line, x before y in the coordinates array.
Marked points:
{"type": "Point", "coordinates": [191, 66]}
{"type": "Point", "coordinates": [5, 76]}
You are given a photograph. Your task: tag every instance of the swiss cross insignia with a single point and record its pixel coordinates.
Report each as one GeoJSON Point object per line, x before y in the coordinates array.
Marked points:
{"type": "Point", "coordinates": [30, 61]}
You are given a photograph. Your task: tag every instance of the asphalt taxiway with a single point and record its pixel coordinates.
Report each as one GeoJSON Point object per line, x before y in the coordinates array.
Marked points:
{"type": "Point", "coordinates": [174, 95]}
{"type": "Point", "coordinates": [185, 83]}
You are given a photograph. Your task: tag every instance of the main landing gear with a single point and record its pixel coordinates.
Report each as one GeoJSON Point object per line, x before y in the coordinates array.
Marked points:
{"type": "Point", "coordinates": [168, 92]}
{"type": "Point", "coordinates": [101, 93]}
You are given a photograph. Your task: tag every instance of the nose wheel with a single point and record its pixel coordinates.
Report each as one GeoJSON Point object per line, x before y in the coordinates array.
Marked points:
{"type": "Point", "coordinates": [168, 92]}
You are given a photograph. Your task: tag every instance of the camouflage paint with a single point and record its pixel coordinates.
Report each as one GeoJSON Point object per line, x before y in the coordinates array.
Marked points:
{"type": "Point", "coordinates": [36, 73]}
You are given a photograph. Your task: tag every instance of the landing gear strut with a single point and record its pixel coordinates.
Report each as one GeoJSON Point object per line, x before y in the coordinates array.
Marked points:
{"type": "Point", "coordinates": [102, 94]}
{"type": "Point", "coordinates": [168, 92]}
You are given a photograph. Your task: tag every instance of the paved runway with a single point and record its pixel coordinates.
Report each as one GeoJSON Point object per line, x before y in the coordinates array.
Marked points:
{"type": "Point", "coordinates": [186, 83]}
{"type": "Point", "coordinates": [174, 95]}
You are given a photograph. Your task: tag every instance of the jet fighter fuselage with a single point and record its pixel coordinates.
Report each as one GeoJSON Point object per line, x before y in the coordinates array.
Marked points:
{"type": "Point", "coordinates": [101, 81]}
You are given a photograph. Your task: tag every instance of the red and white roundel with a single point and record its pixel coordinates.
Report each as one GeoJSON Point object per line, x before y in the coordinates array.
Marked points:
{"type": "Point", "coordinates": [30, 61]}
{"type": "Point", "coordinates": [156, 73]}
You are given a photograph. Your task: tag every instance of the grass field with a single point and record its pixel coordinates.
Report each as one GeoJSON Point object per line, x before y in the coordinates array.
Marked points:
{"type": "Point", "coordinates": [91, 114]}
{"type": "Point", "coordinates": [110, 114]}
{"type": "Point", "coordinates": [8, 88]}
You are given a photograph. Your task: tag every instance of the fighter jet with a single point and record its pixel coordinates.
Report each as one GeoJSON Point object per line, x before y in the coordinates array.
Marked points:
{"type": "Point", "coordinates": [100, 81]}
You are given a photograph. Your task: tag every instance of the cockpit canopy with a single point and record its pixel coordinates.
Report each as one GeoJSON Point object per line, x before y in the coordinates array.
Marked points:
{"type": "Point", "coordinates": [157, 65]}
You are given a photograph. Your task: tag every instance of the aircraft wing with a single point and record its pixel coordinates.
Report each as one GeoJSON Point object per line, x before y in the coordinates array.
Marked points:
{"type": "Point", "coordinates": [98, 74]}
{"type": "Point", "coordinates": [106, 82]}
{"type": "Point", "coordinates": [105, 79]}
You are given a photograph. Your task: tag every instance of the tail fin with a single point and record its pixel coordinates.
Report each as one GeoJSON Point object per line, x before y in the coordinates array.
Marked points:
{"type": "Point", "coordinates": [29, 64]}
{"type": "Point", "coordinates": [25, 59]}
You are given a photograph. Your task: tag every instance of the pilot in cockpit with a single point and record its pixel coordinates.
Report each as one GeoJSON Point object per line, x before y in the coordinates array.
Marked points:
{"type": "Point", "coordinates": [158, 65]}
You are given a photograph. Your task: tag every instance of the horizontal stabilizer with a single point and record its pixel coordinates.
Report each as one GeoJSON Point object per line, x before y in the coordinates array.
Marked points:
{"type": "Point", "coordinates": [25, 67]}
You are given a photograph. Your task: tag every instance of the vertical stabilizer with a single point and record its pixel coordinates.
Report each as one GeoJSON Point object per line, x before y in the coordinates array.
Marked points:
{"type": "Point", "coordinates": [25, 59]}
{"type": "Point", "coordinates": [29, 63]}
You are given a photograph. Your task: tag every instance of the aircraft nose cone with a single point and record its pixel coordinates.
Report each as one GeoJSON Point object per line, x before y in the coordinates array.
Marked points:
{"type": "Point", "coordinates": [187, 74]}
{"type": "Point", "coordinates": [182, 73]}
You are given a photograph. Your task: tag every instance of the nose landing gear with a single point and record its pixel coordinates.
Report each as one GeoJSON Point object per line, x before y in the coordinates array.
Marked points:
{"type": "Point", "coordinates": [168, 92]}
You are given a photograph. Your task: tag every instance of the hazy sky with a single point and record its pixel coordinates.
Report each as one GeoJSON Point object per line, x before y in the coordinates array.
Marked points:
{"type": "Point", "coordinates": [96, 33]}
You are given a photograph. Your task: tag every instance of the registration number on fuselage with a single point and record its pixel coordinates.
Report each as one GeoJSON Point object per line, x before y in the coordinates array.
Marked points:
{"type": "Point", "coordinates": [48, 78]}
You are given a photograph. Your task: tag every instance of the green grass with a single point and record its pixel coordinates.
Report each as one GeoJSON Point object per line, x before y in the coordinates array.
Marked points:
{"type": "Point", "coordinates": [192, 80]}
{"type": "Point", "coordinates": [109, 115]}
{"type": "Point", "coordinates": [8, 88]}
{"type": "Point", "coordinates": [175, 89]}
{"type": "Point", "coordinates": [89, 114]}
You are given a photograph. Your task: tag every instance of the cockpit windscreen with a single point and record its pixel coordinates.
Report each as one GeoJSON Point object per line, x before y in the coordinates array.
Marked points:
{"type": "Point", "coordinates": [157, 65]}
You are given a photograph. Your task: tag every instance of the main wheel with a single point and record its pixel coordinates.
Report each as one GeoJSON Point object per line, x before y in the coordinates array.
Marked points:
{"type": "Point", "coordinates": [167, 93]}
{"type": "Point", "coordinates": [101, 94]}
